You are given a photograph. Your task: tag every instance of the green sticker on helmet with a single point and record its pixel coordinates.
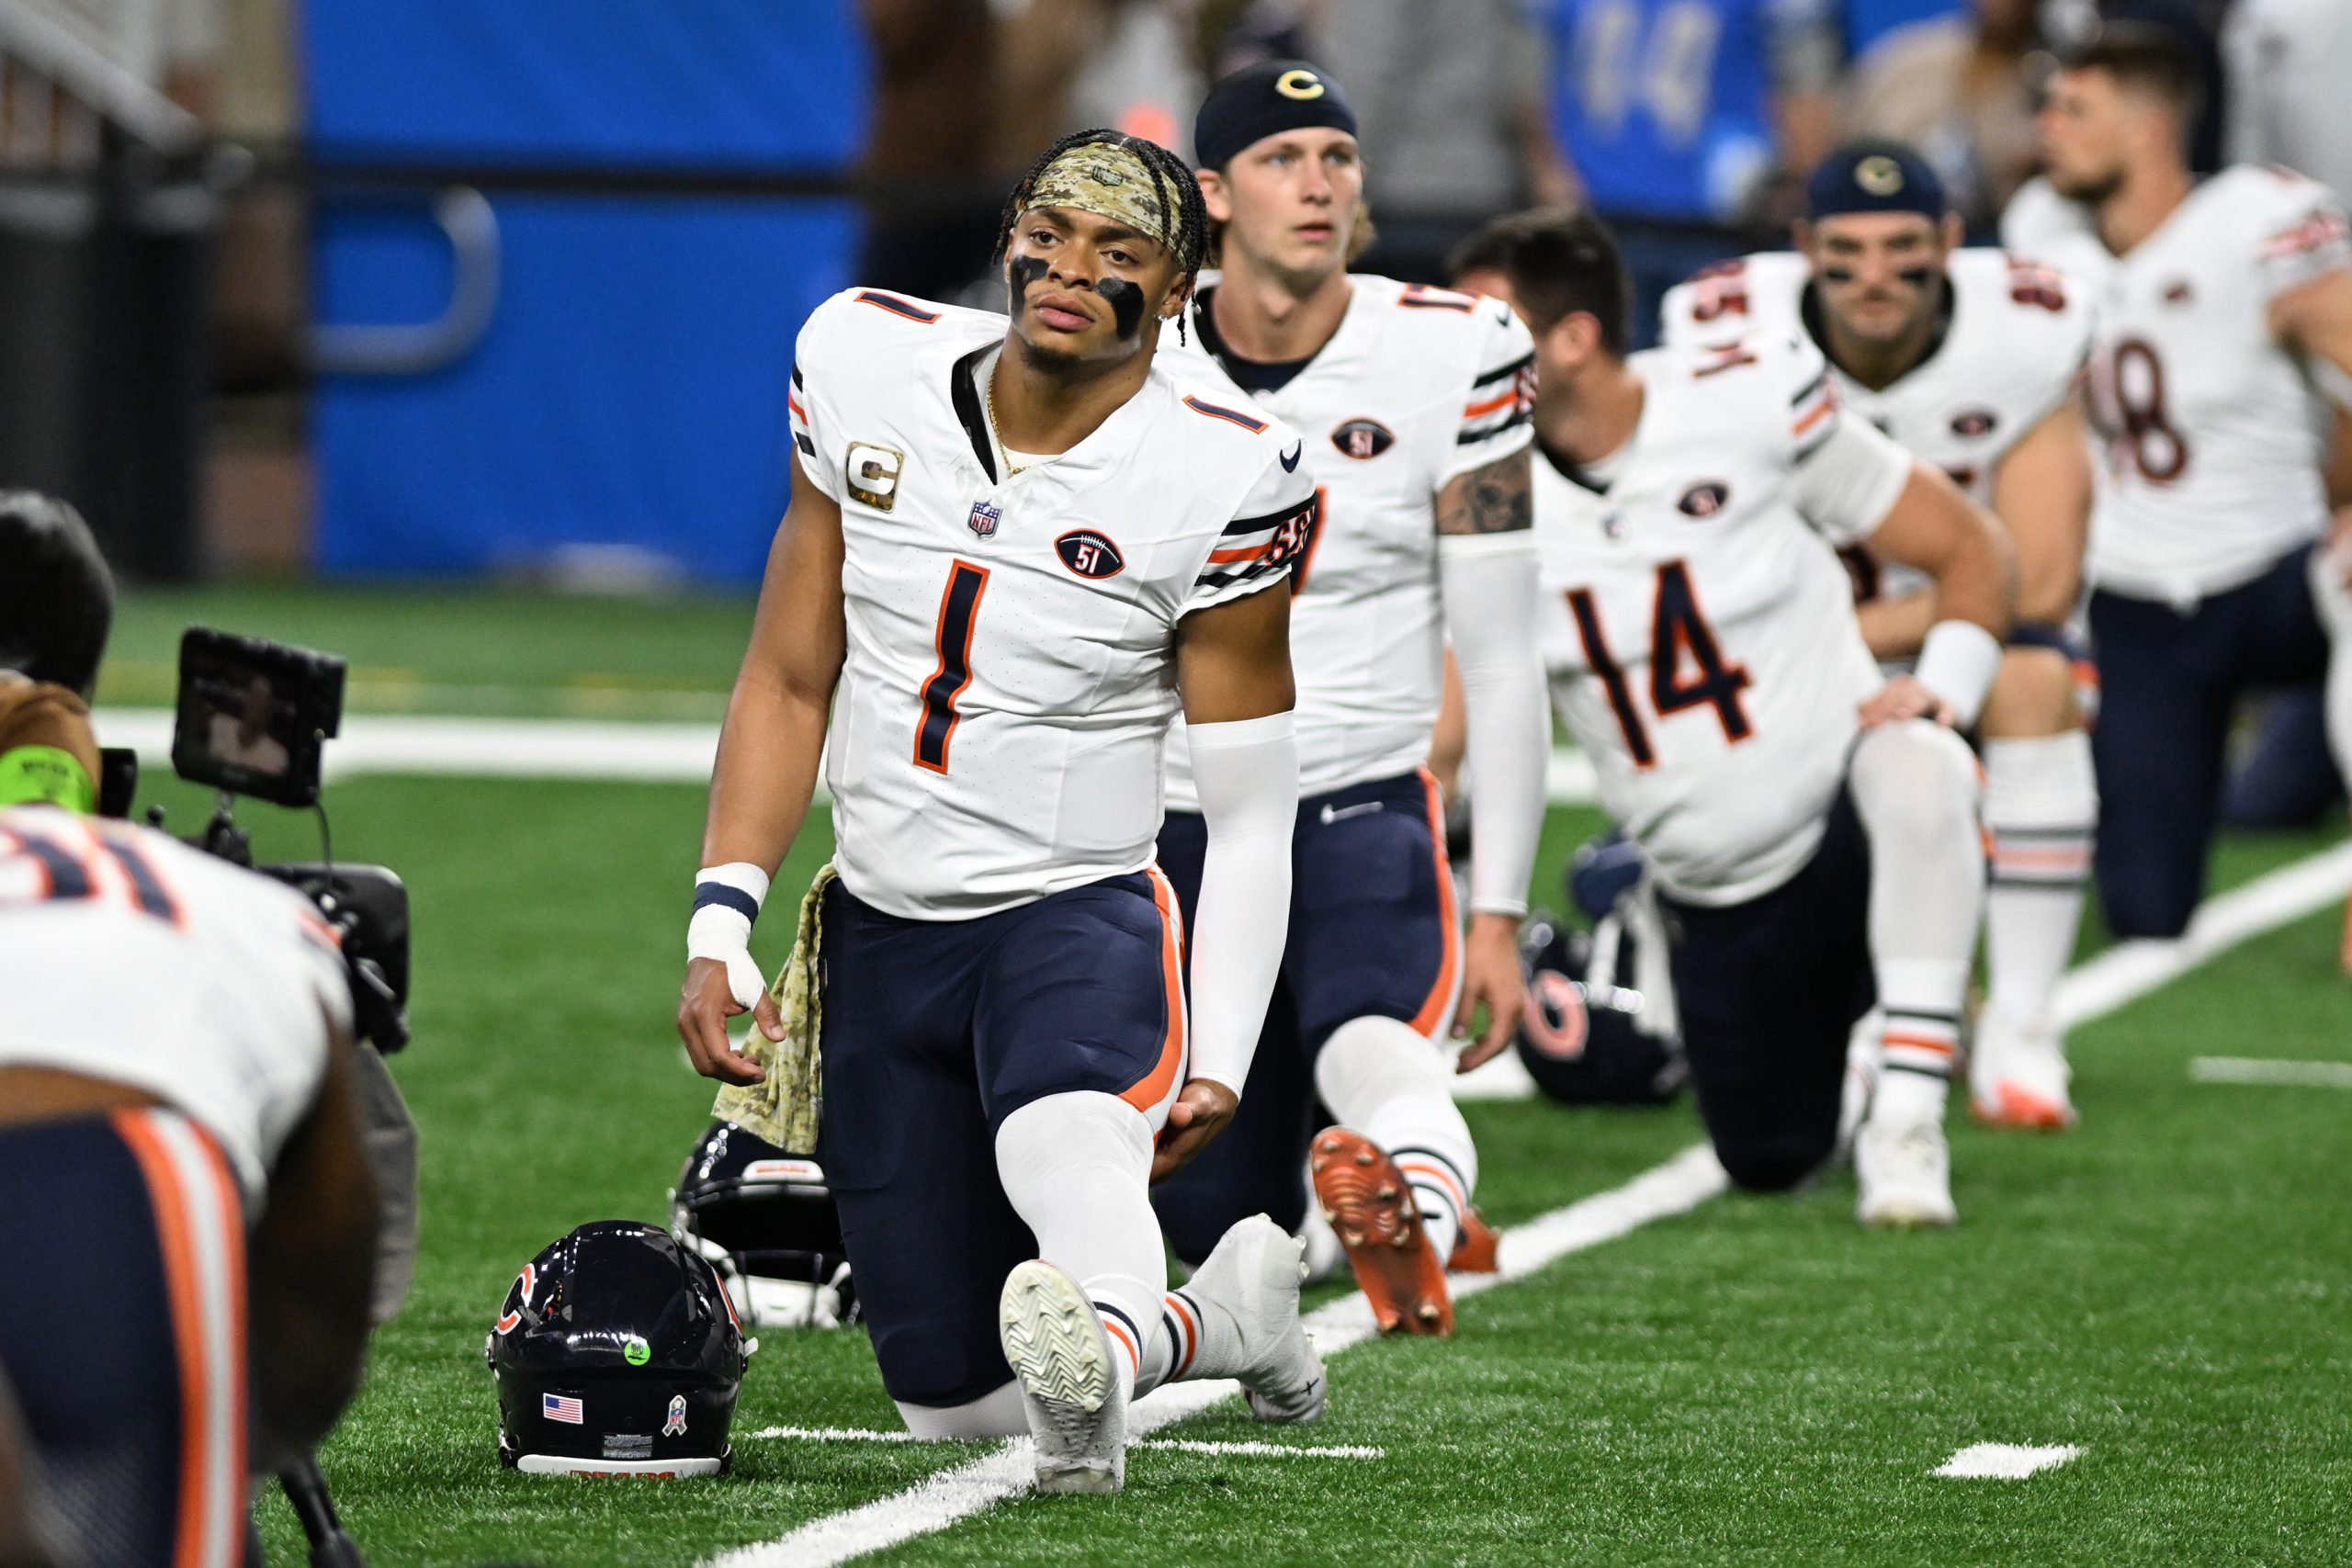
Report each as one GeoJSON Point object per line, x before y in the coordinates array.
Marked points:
{"type": "Point", "coordinates": [636, 1352]}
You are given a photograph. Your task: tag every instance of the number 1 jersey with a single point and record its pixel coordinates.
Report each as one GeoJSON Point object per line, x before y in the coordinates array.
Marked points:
{"type": "Point", "coordinates": [1010, 675]}
{"type": "Point", "coordinates": [1697, 627]}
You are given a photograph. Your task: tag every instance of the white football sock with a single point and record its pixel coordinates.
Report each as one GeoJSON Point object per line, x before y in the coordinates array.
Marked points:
{"type": "Point", "coordinates": [2335, 601]}
{"type": "Point", "coordinates": [2041, 808]}
{"type": "Point", "coordinates": [1389, 1082]}
{"type": "Point", "coordinates": [1914, 785]}
{"type": "Point", "coordinates": [1077, 1167]}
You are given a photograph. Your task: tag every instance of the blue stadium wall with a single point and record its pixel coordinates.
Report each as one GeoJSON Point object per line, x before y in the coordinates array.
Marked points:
{"type": "Point", "coordinates": [629, 391]}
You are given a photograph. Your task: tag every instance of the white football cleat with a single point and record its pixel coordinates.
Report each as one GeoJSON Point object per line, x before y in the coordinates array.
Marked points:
{"type": "Point", "coordinates": [2017, 1075]}
{"type": "Point", "coordinates": [1904, 1171]}
{"type": "Point", "coordinates": [1252, 1281]}
{"type": "Point", "coordinates": [1078, 1410]}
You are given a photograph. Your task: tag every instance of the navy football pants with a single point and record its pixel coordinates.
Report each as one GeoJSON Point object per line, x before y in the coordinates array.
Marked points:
{"type": "Point", "coordinates": [1768, 992]}
{"type": "Point", "coordinates": [935, 1032]}
{"type": "Point", "coordinates": [123, 1333]}
{"type": "Point", "coordinates": [2169, 688]}
{"type": "Point", "coordinates": [1371, 935]}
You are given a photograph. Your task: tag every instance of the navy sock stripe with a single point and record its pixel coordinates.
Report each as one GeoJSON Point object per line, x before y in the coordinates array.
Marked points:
{"type": "Point", "coordinates": [2044, 833]}
{"type": "Point", "coordinates": [1133, 1334]}
{"type": "Point", "coordinates": [1924, 1017]}
{"type": "Point", "coordinates": [1939, 1074]}
{"type": "Point", "coordinates": [1400, 1152]}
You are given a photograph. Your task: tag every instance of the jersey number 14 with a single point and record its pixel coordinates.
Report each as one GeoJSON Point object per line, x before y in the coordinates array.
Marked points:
{"type": "Point", "coordinates": [1687, 666]}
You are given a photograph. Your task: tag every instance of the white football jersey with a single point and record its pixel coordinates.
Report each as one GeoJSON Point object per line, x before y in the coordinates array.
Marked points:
{"type": "Point", "coordinates": [2015, 341]}
{"type": "Point", "coordinates": [2214, 433]}
{"type": "Point", "coordinates": [1010, 673]}
{"type": "Point", "coordinates": [1699, 629]}
{"type": "Point", "coordinates": [1417, 387]}
{"type": "Point", "coordinates": [128, 956]}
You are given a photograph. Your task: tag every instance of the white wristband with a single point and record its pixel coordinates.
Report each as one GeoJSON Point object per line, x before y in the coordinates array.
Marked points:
{"type": "Point", "coordinates": [1957, 662]}
{"type": "Point", "coordinates": [726, 899]}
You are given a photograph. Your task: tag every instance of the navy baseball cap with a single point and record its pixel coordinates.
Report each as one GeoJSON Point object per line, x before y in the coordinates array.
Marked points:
{"type": "Point", "coordinates": [1874, 176]}
{"type": "Point", "coordinates": [1263, 100]}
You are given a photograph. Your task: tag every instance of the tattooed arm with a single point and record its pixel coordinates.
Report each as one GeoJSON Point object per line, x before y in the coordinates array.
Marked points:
{"type": "Point", "coordinates": [1496, 499]}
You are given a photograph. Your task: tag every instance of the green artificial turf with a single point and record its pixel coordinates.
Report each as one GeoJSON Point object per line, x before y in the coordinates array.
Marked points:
{"type": "Point", "coordinates": [1756, 1381]}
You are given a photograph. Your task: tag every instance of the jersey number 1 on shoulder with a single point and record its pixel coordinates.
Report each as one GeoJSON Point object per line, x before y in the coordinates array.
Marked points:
{"type": "Point", "coordinates": [1679, 632]}
{"type": "Point", "coordinates": [959, 607]}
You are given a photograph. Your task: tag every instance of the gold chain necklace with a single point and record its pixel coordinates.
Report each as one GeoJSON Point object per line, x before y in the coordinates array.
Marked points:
{"type": "Point", "coordinates": [987, 399]}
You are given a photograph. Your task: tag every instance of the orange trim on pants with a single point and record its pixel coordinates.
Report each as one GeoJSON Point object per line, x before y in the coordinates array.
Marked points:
{"type": "Point", "coordinates": [1158, 1083]}
{"type": "Point", "coordinates": [1440, 996]}
{"type": "Point", "coordinates": [211, 1528]}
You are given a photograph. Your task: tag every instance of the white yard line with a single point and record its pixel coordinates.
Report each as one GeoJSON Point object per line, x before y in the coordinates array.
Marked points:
{"type": "Point", "coordinates": [555, 749]}
{"type": "Point", "coordinates": [2114, 979]}
{"type": "Point", "coordinates": [2003, 1461]}
{"type": "Point", "coordinates": [2259, 1070]}
{"type": "Point", "coordinates": [1186, 1445]}
{"type": "Point", "coordinates": [2130, 970]}
{"type": "Point", "coordinates": [1681, 1184]}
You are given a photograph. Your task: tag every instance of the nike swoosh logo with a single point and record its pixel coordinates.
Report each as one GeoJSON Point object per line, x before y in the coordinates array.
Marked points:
{"type": "Point", "coordinates": [1342, 813]}
{"type": "Point", "coordinates": [1291, 457]}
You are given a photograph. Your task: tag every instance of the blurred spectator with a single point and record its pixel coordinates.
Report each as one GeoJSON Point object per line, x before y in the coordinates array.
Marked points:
{"type": "Point", "coordinates": [2287, 104]}
{"type": "Point", "coordinates": [1701, 113]}
{"type": "Point", "coordinates": [937, 137]}
{"type": "Point", "coordinates": [1450, 101]}
{"type": "Point", "coordinates": [1961, 88]}
{"type": "Point", "coordinates": [1073, 64]}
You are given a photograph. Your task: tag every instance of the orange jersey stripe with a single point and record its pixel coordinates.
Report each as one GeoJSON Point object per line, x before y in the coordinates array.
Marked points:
{"type": "Point", "coordinates": [1248, 552]}
{"type": "Point", "coordinates": [1494, 404]}
{"type": "Point", "coordinates": [1821, 411]}
{"type": "Point", "coordinates": [1440, 994]}
{"type": "Point", "coordinates": [1156, 1085]}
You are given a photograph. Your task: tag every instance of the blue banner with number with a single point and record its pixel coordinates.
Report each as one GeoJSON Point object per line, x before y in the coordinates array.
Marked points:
{"type": "Point", "coordinates": [626, 402]}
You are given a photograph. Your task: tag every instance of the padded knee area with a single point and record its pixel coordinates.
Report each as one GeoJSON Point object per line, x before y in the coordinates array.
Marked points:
{"type": "Point", "coordinates": [1079, 1160]}
{"type": "Point", "coordinates": [1773, 1164]}
{"type": "Point", "coordinates": [1914, 780]}
{"type": "Point", "coordinates": [1368, 1061]}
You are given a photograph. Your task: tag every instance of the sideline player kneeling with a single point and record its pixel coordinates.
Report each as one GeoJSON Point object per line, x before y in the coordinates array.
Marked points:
{"type": "Point", "coordinates": [1812, 830]}
{"type": "Point", "coordinates": [1414, 402]}
{"type": "Point", "coordinates": [188, 1165]}
{"type": "Point", "coordinates": [1970, 358]}
{"type": "Point", "coordinates": [1013, 553]}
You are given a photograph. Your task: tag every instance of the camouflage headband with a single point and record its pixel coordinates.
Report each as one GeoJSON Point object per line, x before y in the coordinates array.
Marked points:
{"type": "Point", "coordinates": [1112, 182]}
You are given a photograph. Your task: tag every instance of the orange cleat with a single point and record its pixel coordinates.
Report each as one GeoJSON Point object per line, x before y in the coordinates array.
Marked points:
{"type": "Point", "coordinates": [1477, 1249]}
{"type": "Point", "coordinates": [2022, 1110]}
{"type": "Point", "coordinates": [1364, 1197]}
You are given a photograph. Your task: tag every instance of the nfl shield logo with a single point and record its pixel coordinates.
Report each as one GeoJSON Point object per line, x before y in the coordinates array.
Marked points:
{"type": "Point", "coordinates": [985, 515]}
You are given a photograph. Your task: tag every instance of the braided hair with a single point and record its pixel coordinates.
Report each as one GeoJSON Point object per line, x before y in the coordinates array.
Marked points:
{"type": "Point", "coordinates": [1187, 222]}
